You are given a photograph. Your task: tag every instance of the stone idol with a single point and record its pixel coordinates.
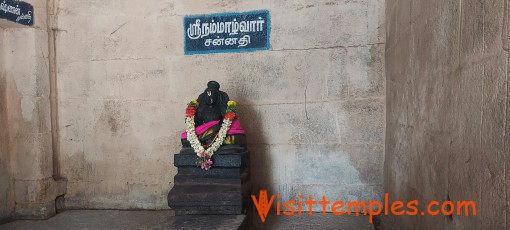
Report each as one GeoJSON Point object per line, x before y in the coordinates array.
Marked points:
{"type": "Point", "coordinates": [213, 164]}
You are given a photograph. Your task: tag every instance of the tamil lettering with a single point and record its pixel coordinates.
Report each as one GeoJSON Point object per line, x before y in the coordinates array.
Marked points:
{"type": "Point", "coordinates": [227, 32]}
{"type": "Point", "coordinates": [17, 11]}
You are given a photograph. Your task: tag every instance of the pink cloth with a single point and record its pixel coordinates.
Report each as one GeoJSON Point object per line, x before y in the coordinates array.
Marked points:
{"type": "Point", "coordinates": [235, 128]}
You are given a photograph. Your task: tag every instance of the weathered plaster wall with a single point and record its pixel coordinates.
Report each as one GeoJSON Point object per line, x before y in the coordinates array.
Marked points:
{"type": "Point", "coordinates": [6, 181]}
{"type": "Point", "coordinates": [447, 109]}
{"type": "Point", "coordinates": [26, 119]}
{"type": "Point", "coordinates": [313, 105]}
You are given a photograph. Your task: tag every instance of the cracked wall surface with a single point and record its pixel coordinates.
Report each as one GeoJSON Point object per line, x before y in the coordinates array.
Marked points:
{"type": "Point", "coordinates": [313, 105]}
{"type": "Point", "coordinates": [447, 135]}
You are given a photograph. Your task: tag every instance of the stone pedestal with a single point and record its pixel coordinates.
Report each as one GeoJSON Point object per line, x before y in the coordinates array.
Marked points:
{"type": "Point", "coordinates": [223, 189]}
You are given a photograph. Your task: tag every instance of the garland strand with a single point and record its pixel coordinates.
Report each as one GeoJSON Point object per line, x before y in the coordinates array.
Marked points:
{"type": "Point", "coordinates": [204, 155]}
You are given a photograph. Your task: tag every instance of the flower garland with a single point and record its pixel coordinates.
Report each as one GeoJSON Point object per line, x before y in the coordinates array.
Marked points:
{"type": "Point", "coordinates": [204, 155]}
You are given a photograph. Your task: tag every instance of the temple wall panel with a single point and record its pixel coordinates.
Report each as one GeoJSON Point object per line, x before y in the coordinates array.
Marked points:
{"type": "Point", "coordinates": [313, 104]}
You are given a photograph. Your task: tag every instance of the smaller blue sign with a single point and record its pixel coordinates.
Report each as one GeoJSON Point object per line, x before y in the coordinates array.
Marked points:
{"type": "Point", "coordinates": [227, 32]}
{"type": "Point", "coordinates": [17, 11]}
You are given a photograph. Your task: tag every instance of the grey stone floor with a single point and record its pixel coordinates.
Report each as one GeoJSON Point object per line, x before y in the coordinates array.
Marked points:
{"type": "Point", "coordinates": [316, 221]}
{"type": "Point", "coordinates": [145, 220]}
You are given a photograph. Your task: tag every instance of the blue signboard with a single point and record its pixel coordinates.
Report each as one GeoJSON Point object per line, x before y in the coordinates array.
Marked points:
{"type": "Point", "coordinates": [17, 11]}
{"type": "Point", "coordinates": [227, 32]}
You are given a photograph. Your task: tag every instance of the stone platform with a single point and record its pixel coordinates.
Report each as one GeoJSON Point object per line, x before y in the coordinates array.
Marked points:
{"type": "Point", "coordinates": [222, 190]}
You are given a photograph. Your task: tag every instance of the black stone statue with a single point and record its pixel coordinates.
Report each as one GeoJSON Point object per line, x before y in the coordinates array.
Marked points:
{"type": "Point", "coordinates": [225, 187]}
{"type": "Point", "coordinates": [212, 104]}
